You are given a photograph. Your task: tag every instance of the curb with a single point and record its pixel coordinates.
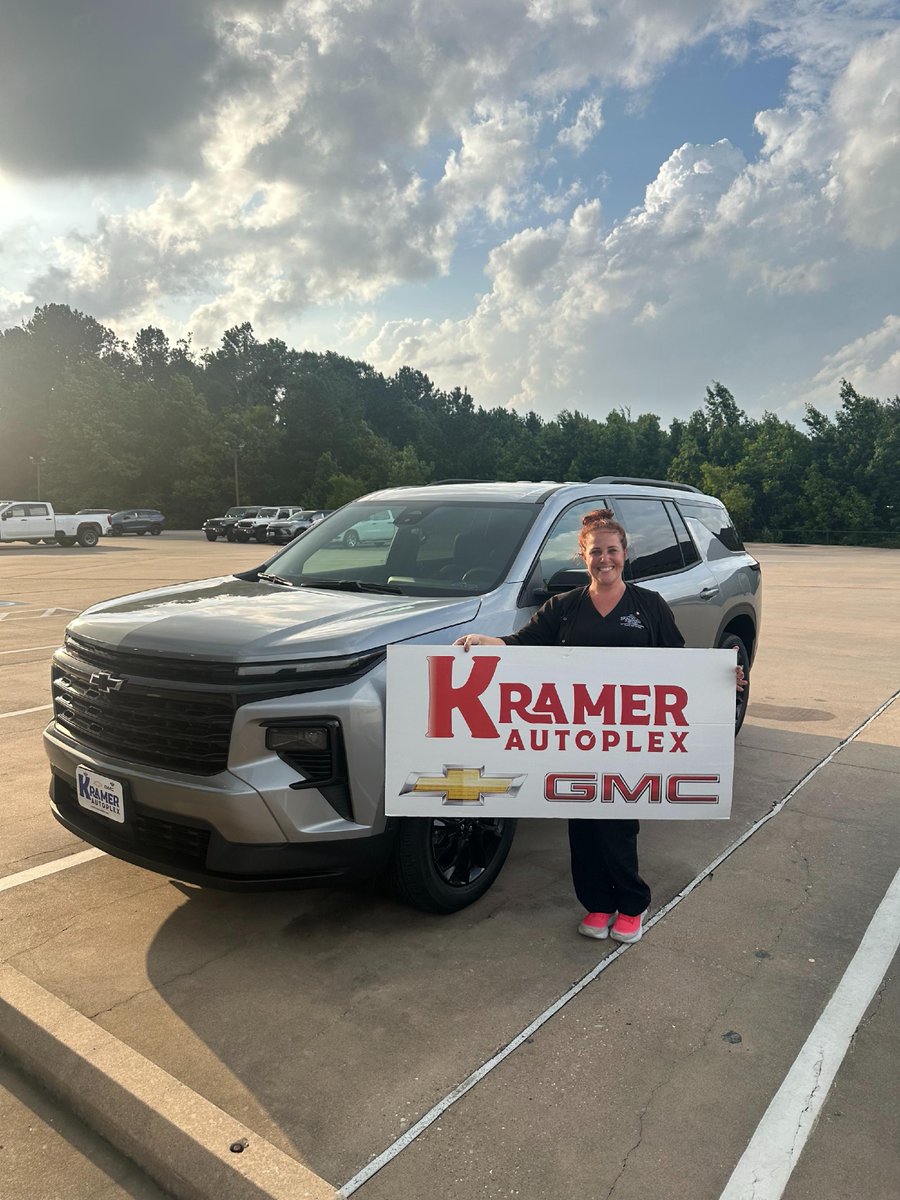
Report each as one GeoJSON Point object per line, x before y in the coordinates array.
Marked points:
{"type": "Point", "coordinates": [179, 1138]}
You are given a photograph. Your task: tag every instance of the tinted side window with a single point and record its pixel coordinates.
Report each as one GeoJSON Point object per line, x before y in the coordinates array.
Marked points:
{"type": "Point", "coordinates": [652, 546]}
{"type": "Point", "coordinates": [37, 510]}
{"type": "Point", "coordinates": [689, 552]}
{"type": "Point", "coordinates": [560, 552]}
{"type": "Point", "coordinates": [717, 521]}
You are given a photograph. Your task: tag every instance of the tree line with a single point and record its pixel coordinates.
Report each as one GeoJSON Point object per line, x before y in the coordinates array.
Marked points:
{"type": "Point", "coordinates": [153, 423]}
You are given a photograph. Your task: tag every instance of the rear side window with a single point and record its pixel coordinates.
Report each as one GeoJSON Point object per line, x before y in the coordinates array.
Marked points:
{"type": "Point", "coordinates": [714, 518]}
{"type": "Point", "coordinates": [653, 548]}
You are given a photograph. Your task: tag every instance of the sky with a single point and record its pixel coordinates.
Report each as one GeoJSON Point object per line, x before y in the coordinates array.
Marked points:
{"type": "Point", "coordinates": [557, 204]}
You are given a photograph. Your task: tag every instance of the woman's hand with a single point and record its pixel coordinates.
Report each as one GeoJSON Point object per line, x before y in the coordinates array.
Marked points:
{"type": "Point", "coordinates": [478, 639]}
{"type": "Point", "coordinates": [740, 678]}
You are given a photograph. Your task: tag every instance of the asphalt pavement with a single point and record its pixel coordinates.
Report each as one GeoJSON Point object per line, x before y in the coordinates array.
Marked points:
{"type": "Point", "coordinates": [352, 1044]}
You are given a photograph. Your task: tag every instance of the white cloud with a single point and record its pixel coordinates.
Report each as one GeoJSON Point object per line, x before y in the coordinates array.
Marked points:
{"type": "Point", "coordinates": [870, 362]}
{"type": "Point", "coordinates": [587, 124]}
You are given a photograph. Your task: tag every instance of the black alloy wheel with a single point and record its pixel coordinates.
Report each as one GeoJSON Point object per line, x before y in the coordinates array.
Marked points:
{"type": "Point", "coordinates": [117, 531]}
{"type": "Point", "coordinates": [156, 530]}
{"type": "Point", "coordinates": [230, 536]}
{"type": "Point", "coordinates": [731, 641]}
{"type": "Point", "coordinates": [443, 864]}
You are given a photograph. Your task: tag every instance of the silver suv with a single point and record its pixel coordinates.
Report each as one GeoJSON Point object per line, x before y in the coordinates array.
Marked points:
{"type": "Point", "coordinates": [231, 732]}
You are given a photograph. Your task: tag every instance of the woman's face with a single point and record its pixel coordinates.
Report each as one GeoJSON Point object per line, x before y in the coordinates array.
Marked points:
{"type": "Point", "coordinates": [604, 557]}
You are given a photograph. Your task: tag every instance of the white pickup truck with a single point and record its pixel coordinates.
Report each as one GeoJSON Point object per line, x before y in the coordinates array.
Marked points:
{"type": "Point", "coordinates": [35, 521]}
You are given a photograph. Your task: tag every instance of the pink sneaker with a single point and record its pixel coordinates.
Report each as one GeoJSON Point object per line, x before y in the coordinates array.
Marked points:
{"type": "Point", "coordinates": [596, 925]}
{"type": "Point", "coordinates": [627, 929]}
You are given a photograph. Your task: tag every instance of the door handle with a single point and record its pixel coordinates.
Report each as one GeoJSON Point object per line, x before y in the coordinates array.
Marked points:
{"type": "Point", "coordinates": [707, 593]}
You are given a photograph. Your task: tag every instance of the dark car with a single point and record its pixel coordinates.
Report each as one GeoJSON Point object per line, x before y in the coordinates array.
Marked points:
{"type": "Point", "coordinates": [216, 527]}
{"type": "Point", "coordinates": [136, 520]}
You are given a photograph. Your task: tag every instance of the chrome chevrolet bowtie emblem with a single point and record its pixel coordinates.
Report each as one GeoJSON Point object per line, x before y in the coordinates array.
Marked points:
{"type": "Point", "coordinates": [104, 682]}
{"type": "Point", "coordinates": [463, 785]}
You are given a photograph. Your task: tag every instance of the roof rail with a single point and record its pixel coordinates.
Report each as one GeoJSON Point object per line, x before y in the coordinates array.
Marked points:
{"type": "Point", "coordinates": [666, 483]}
{"type": "Point", "coordinates": [438, 482]}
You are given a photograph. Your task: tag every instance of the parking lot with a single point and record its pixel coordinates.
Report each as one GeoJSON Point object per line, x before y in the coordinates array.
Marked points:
{"type": "Point", "coordinates": [331, 1030]}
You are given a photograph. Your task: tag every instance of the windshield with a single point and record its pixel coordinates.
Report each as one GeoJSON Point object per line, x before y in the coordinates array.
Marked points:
{"type": "Point", "coordinates": [412, 548]}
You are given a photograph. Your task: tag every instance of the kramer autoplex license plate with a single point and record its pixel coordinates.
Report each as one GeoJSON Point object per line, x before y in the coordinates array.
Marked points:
{"type": "Point", "coordinates": [101, 795]}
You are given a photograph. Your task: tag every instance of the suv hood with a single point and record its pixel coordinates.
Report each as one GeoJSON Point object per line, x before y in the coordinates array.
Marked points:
{"type": "Point", "coordinates": [234, 620]}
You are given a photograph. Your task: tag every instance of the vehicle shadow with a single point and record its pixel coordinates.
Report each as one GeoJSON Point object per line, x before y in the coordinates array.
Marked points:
{"type": "Point", "coordinates": [329, 1021]}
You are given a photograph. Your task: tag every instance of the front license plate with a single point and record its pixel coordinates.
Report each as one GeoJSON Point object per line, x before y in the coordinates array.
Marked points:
{"type": "Point", "coordinates": [100, 795]}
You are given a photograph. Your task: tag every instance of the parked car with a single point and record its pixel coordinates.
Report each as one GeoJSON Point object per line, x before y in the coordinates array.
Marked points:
{"type": "Point", "coordinates": [35, 521]}
{"type": "Point", "coordinates": [235, 725]}
{"type": "Point", "coordinates": [288, 528]}
{"type": "Point", "coordinates": [136, 520]}
{"type": "Point", "coordinates": [378, 528]}
{"type": "Point", "coordinates": [256, 526]}
{"type": "Point", "coordinates": [216, 527]}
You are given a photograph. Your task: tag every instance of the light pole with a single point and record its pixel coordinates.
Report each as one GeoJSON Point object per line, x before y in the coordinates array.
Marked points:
{"type": "Point", "coordinates": [235, 449]}
{"type": "Point", "coordinates": [38, 462]}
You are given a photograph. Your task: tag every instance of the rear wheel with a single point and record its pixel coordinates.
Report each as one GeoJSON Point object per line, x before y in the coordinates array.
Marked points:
{"type": "Point", "coordinates": [116, 531]}
{"type": "Point", "coordinates": [731, 641]}
{"type": "Point", "coordinates": [66, 541]}
{"type": "Point", "coordinates": [33, 541]}
{"type": "Point", "coordinates": [443, 864]}
{"type": "Point", "coordinates": [156, 530]}
{"type": "Point", "coordinates": [88, 536]}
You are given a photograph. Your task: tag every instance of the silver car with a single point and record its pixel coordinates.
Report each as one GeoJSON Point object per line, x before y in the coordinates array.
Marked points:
{"type": "Point", "coordinates": [231, 732]}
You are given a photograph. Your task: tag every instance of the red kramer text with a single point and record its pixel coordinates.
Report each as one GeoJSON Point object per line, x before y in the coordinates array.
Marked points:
{"type": "Point", "coordinates": [606, 704]}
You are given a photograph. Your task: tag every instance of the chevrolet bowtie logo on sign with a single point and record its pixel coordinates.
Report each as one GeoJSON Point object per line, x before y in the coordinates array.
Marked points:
{"type": "Point", "coordinates": [463, 785]}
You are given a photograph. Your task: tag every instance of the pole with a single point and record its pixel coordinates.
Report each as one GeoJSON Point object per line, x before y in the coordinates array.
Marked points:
{"type": "Point", "coordinates": [237, 489]}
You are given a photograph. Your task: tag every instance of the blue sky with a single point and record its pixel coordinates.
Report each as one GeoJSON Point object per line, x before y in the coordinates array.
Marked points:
{"type": "Point", "coordinates": [556, 203]}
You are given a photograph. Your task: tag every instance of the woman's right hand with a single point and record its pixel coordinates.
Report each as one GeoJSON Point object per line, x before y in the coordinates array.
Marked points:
{"type": "Point", "coordinates": [478, 639]}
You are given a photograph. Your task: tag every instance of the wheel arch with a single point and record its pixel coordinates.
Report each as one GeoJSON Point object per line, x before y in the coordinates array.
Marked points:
{"type": "Point", "coordinates": [741, 622]}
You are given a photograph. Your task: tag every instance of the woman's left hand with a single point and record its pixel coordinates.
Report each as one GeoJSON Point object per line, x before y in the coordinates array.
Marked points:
{"type": "Point", "coordinates": [740, 678]}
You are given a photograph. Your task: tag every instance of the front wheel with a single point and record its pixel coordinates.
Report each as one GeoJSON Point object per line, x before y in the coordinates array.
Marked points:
{"type": "Point", "coordinates": [351, 539]}
{"type": "Point", "coordinates": [260, 535]}
{"type": "Point", "coordinates": [443, 864]}
{"type": "Point", "coordinates": [230, 536]}
{"type": "Point", "coordinates": [210, 536]}
{"type": "Point", "coordinates": [731, 641]}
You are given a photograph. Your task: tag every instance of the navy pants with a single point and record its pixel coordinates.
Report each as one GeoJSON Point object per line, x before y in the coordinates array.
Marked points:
{"type": "Point", "coordinates": [605, 866]}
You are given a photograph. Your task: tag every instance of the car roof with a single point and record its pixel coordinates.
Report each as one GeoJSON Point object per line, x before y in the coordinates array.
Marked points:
{"type": "Point", "coordinates": [529, 492]}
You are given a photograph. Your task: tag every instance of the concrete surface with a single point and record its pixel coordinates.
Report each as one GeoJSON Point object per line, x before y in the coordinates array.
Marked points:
{"type": "Point", "coordinates": [327, 1023]}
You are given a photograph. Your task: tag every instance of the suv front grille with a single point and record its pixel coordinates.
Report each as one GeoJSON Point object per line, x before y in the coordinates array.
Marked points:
{"type": "Point", "coordinates": [174, 728]}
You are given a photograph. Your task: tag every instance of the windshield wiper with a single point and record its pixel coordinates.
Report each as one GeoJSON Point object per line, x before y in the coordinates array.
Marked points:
{"type": "Point", "coordinates": [275, 579]}
{"type": "Point", "coordinates": [355, 585]}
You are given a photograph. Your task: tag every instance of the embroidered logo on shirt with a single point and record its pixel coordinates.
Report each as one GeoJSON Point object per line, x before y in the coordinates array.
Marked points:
{"type": "Point", "coordinates": [631, 621]}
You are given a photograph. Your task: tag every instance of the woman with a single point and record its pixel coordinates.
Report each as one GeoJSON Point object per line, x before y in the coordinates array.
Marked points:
{"type": "Point", "coordinates": [609, 612]}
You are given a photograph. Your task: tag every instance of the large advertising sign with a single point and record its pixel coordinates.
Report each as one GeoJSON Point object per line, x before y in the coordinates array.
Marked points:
{"type": "Point", "coordinates": [559, 731]}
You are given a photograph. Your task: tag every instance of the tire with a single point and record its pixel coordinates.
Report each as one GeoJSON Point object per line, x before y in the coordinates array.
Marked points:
{"type": "Point", "coordinates": [242, 537]}
{"type": "Point", "coordinates": [351, 539]}
{"type": "Point", "coordinates": [65, 541]}
{"type": "Point", "coordinates": [730, 641]}
{"type": "Point", "coordinates": [260, 535]}
{"type": "Point", "coordinates": [441, 865]}
{"type": "Point", "coordinates": [156, 530]}
{"type": "Point", "coordinates": [49, 541]}
{"type": "Point", "coordinates": [210, 536]}
{"type": "Point", "coordinates": [116, 531]}
{"type": "Point", "coordinates": [88, 536]}
{"type": "Point", "coordinates": [230, 536]}
{"type": "Point", "coordinates": [33, 541]}
{"type": "Point", "coordinates": [141, 532]}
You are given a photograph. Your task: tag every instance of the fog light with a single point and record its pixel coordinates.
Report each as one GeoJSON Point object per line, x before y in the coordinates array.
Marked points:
{"type": "Point", "coordinates": [301, 737]}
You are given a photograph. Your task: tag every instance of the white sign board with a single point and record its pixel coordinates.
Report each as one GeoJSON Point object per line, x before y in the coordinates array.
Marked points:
{"type": "Point", "coordinates": [516, 731]}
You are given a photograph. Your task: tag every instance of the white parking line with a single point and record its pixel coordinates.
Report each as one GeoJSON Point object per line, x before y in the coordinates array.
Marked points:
{"type": "Point", "coordinates": [766, 1165]}
{"type": "Point", "coordinates": [477, 1075]}
{"type": "Point", "coordinates": [50, 868]}
{"type": "Point", "coordinates": [21, 712]}
{"type": "Point", "coordinates": [24, 649]}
